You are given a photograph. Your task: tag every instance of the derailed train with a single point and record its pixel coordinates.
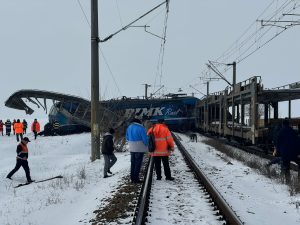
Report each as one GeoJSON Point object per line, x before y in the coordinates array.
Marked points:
{"type": "Point", "coordinates": [177, 110]}
{"type": "Point", "coordinates": [246, 112]}
{"type": "Point", "coordinates": [74, 113]}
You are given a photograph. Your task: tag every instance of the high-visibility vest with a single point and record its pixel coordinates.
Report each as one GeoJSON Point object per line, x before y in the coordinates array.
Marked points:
{"type": "Point", "coordinates": [35, 126]}
{"type": "Point", "coordinates": [24, 151]}
{"type": "Point", "coordinates": [18, 127]}
{"type": "Point", "coordinates": [24, 148]}
{"type": "Point", "coordinates": [163, 140]}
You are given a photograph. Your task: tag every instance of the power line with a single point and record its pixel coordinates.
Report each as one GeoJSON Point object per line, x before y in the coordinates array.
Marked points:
{"type": "Point", "coordinates": [245, 47]}
{"type": "Point", "coordinates": [134, 21]}
{"type": "Point", "coordinates": [85, 16]}
{"type": "Point", "coordinates": [160, 63]}
{"type": "Point", "coordinates": [244, 33]}
{"type": "Point", "coordinates": [119, 12]}
{"type": "Point", "coordinates": [101, 51]}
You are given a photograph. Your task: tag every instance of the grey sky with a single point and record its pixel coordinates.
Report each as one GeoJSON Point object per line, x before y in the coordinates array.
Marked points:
{"type": "Point", "coordinates": [46, 45]}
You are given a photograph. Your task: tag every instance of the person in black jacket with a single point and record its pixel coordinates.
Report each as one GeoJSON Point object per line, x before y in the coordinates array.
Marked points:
{"type": "Point", "coordinates": [22, 156]}
{"type": "Point", "coordinates": [8, 127]}
{"type": "Point", "coordinates": [108, 152]}
{"type": "Point", "coordinates": [25, 125]}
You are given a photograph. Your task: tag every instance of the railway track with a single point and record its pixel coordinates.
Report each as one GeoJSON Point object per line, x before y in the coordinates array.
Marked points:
{"type": "Point", "coordinates": [180, 197]}
{"type": "Point", "coordinates": [250, 149]}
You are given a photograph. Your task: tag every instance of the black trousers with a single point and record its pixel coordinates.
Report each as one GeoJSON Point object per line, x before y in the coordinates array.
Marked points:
{"type": "Point", "coordinates": [24, 164]}
{"type": "Point", "coordinates": [157, 164]}
{"type": "Point", "coordinates": [35, 134]}
{"type": "Point", "coordinates": [19, 135]}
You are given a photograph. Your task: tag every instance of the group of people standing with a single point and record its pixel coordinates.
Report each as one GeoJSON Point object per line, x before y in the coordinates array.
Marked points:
{"type": "Point", "coordinates": [137, 138]}
{"type": "Point", "coordinates": [19, 128]}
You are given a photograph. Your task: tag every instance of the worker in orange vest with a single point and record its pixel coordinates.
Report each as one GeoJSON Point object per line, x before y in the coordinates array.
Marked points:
{"type": "Point", "coordinates": [22, 160]}
{"type": "Point", "coordinates": [164, 145]}
{"type": "Point", "coordinates": [35, 128]}
{"type": "Point", "coordinates": [18, 128]}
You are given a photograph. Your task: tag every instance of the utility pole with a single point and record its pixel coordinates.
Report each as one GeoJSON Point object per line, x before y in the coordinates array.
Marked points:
{"type": "Point", "coordinates": [234, 73]}
{"type": "Point", "coordinates": [146, 90]}
{"type": "Point", "coordinates": [95, 115]}
{"type": "Point", "coordinates": [233, 90]}
{"type": "Point", "coordinates": [95, 132]}
{"type": "Point", "coordinates": [207, 83]}
{"type": "Point", "coordinates": [207, 88]}
{"type": "Point", "coordinates": [206, 114]}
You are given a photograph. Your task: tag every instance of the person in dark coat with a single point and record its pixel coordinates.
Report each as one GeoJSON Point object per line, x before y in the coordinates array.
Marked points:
{"type": "Point", "coordinates": [287, 145]}
{"type": "Point", "coordinates": [273, 138]}
{"type": "Point", "coordinates": [13, 125]}
{"type": "Point", "coordinates": [25, 125]}
{"type": "Point", "coordinates": [8, 127]}
{"type": "Point", "coordinates": [1, 127]}
{"type": "Point", "coordinates": [108, 152]}
{"type": "Point", "coordinates": [22, 159]}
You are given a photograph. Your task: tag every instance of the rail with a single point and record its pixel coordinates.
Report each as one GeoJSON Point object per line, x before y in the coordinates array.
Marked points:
{"type": "Point", "coordinates": [142, 207]}
{"type": "Point", "coordinates": [229, 215]}
{"type": "Point", "coordinates": [141, 210]}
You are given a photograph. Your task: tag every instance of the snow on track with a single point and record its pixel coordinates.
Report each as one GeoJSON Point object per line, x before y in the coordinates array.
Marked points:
{"type": "Point", "coordinates": [180, 201]}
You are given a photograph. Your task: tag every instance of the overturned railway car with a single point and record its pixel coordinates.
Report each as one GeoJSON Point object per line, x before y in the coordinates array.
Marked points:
{"type": "Point", "coordinates": [74, 113]}
{"type": "Point", "coordinates": [178, 111]}
{"type": "Point", "coordinates": [246, 112]}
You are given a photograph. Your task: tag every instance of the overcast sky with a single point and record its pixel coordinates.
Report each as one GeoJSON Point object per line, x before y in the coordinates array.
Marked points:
{"type": "Point", "coordinates": [46, 45]}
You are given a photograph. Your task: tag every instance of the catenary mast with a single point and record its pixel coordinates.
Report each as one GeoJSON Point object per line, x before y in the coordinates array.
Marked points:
{"type": "Point", "coordinates": [95, 126]}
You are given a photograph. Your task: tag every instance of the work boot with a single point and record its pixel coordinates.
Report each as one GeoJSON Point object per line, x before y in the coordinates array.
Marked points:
{"type": "Point", "coordinates": [170, 178]}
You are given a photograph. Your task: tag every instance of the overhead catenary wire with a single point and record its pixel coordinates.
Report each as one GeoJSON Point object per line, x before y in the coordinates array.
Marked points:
{"type": "Point", "coordinates": [110, 36]}
{"type": "Point", "coordinates": [160, 63]}
{"type": "Point", "coordinates": [245, 32]}
{"type": "Point", "coordinates": [162, 49]}
{"type": "Point", "coordinates": [134, 21]}
{"type": "Point", "coordinates": [119, 13]}
{"type": "Point", "coordinates": [101, 51]}
{"type": "Point", "coordinates": [242, 57]}
{"type": "Point", "coordinates": [245, 46]}
{"type": "Point", "coordinates": [84, 14]}
{"type": "Point", "coordinates": [254, 34]}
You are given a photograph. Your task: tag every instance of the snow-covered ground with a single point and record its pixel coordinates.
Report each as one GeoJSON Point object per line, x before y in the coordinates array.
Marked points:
{"type": "Point", "coordinates": [60, 201]}
{"type": "Point", "coordinates": [72, 200]}
{"type": "Point", "coordinates": [255, 198]}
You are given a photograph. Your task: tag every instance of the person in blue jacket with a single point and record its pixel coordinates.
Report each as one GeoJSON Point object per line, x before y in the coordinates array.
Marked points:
{"type": "Point", "coordinates": [137, 139]}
